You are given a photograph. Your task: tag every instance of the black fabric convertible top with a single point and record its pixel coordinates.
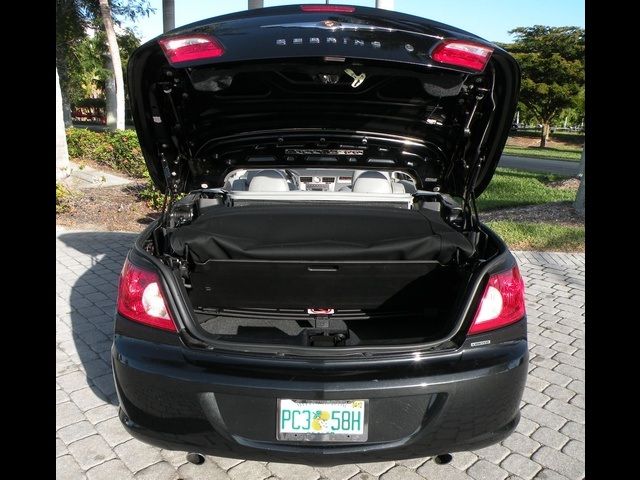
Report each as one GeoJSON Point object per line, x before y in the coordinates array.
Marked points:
{"type": "Point", "coordinates": [318, 233]}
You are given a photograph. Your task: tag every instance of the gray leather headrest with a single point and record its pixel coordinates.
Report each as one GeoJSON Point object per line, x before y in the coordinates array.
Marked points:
{"type": "Point", "coordinates": [268, 181]}
{"type": "Point", "coordinates": [357, 173]}
{"type": "Point", "coordinates": [372, 182]}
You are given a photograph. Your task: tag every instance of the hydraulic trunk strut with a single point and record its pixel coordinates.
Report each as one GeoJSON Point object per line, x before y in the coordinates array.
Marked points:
{"type": "Point", "coordinates": [470, 210]}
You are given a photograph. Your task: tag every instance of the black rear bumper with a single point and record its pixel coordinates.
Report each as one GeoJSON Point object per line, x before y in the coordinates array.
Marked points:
{"type": "Point", "coordinates": [175, 398]}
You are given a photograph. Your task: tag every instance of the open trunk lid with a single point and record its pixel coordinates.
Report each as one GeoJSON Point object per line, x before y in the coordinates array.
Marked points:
{"type": "Point", "coordinates": [353, 86]}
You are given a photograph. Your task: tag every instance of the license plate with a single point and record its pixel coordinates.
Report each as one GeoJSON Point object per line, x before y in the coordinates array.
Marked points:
{"type": "Point", "coordinates": [322, 420]}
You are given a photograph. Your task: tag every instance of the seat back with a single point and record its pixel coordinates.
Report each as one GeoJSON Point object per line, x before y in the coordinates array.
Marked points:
{"type": "Point", "coordinates": [372, 182]}
{"type": "Point", "coordinates": [268, 181]}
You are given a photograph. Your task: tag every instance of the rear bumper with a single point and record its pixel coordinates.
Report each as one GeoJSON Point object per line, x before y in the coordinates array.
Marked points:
{"type": "Point", "coordinates": [439, 403]}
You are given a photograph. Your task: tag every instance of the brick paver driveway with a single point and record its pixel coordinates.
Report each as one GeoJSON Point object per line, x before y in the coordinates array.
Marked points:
{"type": "Point", "coordinates": [90, 443]}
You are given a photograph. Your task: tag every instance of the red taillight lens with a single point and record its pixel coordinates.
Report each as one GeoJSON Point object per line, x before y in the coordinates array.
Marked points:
{"type": "Point", "coordinates": [502, 302]}
{"type": "Point", "coordinates": [471, 55]}
{"type": "Point", "coordinates": [140, 298]}
{"type": "Point", "coordinates": [328, 8]}
{"type": "Point", "coordinates": [187, 48]}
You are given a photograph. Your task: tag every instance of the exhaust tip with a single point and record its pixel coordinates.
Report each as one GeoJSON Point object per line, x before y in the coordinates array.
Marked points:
{"type": "Point", "coordinates": [443, 459]}
{"type": "Point", "coordinates": [195, 458]}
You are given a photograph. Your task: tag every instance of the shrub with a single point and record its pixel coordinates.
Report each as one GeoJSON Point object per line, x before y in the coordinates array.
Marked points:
{"type": "Point", "coordinates": [80, 142]}
{"type": "Point", "coordinates": [63, 197]}
{"type": "Point", "coordinates": [151, 194]}
{"type": "Point", "coordinates": [119, 150]}
{"type": "Point", "coordinates": [127, 154]}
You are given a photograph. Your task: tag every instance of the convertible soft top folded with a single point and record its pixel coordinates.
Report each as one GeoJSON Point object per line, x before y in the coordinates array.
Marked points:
{"type": "Point", "coordinates": [318, 233]}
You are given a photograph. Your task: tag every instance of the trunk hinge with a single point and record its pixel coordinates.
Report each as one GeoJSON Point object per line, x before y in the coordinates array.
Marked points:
{"type": "Point", "coordinates": [170, 177]}
{"type": "Point", "coordinates": [470, 217]}
{"type": "Point", "coordinates": [469, 210]}
{"type": "Point", "coordinates": [471, 221]}
{"type": "Point", "coordinates": [174, 174]}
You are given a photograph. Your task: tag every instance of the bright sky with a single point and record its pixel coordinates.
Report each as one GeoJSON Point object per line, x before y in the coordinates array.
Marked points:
{"type": "Point", "coordinates": [490, 19]}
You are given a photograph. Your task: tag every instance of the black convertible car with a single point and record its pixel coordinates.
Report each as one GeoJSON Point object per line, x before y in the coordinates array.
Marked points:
{"type": "Point", "coordinates": [319, 288]}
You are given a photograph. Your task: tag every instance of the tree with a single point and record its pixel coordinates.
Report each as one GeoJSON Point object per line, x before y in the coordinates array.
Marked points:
{"type": "Point", "coordinates": [70, 30]}
{"type": "Point", "coordinates": [62, 152]}
{"type": "Point", "coordinates": [88, 62]}
{"type": "Point", "coordinates": [552, 63]}
{"type": "Point", "coordinates": [74, 20]}
{"type": "Point", "coordinates": [579, 203]}
{"type": "Point", "coordinates": [115, 64]}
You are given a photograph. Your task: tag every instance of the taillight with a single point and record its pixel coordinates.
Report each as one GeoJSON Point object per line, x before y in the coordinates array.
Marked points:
{"type": "Point", "coordinates": [462, 53]}
{"type": "Point", "coordinates": [190, 47]}
{"type": "Point", "coordinates": [328, 8]}
{"type": "Point", "coordinates": [140, 298]}
{"type": "Point", "coordinates": [502, 302]}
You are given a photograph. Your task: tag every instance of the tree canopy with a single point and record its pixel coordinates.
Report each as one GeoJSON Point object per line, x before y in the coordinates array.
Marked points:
{"type": "Point", "coordinates": [81, 54]}
{"type": "Point", "coordinates": [87, 71]}
{"type": "Point", "coordinates": [552, 63]}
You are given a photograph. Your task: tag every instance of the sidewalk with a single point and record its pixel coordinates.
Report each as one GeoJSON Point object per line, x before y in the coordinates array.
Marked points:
{"type": "Point", "coordinates": [89, 177]}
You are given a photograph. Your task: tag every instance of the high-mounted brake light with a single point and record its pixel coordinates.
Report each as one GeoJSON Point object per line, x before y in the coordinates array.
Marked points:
{"type": "Point", "coordinates": [140, 298]}
{"type": "Point", "coordinates": [190, 47]}
{"type": "Point", "coordinates": [462, 53]}
{"type": "Point", "coordinates": [502, 302]}
{"type": "Point", "coordinates": [328, 8]}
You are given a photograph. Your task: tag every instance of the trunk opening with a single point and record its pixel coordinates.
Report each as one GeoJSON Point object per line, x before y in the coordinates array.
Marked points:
{"type": "Point", "coordinates": [318, 274]}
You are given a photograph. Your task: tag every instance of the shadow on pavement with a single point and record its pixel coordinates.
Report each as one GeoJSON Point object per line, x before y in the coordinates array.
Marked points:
{"type": "Point", "coordinates": [92, 302]}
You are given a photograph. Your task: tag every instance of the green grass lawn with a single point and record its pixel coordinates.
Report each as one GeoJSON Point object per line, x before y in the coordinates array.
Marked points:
{"type": "Point", "coordinates": [512, 188]}
{"type": "Point", "coordinates": [562, 153]}
{"type": "Point", "coordinates": [539, 236]}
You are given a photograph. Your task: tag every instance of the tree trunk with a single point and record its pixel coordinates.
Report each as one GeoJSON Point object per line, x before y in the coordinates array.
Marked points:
{"type": "Point", "coordinates": [579, 203]}
{"type": "Point", "coordinates": [114, 52]}
{"type": "Point", "coordinates": [544, 136]}
{"type": "Point", "coordinates": [168, 15]}
{"type": "Point", "coordinates": [110, 97]}
{"type": "Point", "coordinates": [61, 68]}
{"type": "Point", "coordinates": [62, 152]}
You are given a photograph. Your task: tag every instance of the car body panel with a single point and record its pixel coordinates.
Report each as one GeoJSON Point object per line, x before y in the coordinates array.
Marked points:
{"type": "Point", "coordinates": [440, 403]}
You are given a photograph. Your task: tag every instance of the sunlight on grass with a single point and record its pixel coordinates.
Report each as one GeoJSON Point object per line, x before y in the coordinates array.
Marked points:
{"type": "Point", "coordinates": [560, 153]}
{"type": "Point", "coordinates": [512, 188]}
{"type": "Point", "coordinates": [539, 236]}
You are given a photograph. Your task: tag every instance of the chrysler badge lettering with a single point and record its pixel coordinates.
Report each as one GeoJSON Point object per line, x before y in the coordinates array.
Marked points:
{"type": "Point", "coordinates": [322, 151]}
{"type": "Point", "coordinates": [332, 40]}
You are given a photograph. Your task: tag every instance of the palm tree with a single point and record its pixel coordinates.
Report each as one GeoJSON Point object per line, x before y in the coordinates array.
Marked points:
{"type": "Point", "coordinates": [62, 153]}
{"type": "Point", "coordinates": [116, 63]}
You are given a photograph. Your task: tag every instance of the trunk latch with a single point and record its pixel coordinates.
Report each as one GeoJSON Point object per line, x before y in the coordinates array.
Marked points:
{"type": "Point", "coordinates": [327, 339]}
{"type": "Point", "coordinates": [357, 79]}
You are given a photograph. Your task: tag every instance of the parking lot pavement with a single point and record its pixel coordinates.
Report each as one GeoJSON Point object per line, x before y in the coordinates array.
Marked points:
{"type": "Point", "coordinates": [90, 443]}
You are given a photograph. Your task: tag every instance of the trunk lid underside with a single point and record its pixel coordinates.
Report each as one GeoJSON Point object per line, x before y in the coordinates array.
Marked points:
{"type": "Point", "coordinates": [370, 96]}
